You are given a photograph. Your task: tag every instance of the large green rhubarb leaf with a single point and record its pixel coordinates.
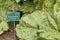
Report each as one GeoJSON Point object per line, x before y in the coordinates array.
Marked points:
{"type": "Point", "coordinates": [39, 22]}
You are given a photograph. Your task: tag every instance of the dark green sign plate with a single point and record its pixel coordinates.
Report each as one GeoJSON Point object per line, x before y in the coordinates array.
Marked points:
{"type": "Point", "coordinates": [13, 16]}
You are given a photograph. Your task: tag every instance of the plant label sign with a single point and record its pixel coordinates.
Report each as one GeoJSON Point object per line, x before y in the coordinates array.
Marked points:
{"type": "Point", "coordinates": [13, 16]}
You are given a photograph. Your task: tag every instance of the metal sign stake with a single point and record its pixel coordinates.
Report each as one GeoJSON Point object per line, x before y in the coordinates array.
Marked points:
{"type": "Point", "coordinates": [14, 32]}
{"type": "Point", "coordinates": [12, 17]}
{"type": "Point", "coordinates": [14, 23]}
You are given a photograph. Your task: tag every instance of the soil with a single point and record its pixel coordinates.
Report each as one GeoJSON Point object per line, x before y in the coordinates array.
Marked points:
{"type": "Point", "coordinates": [9, 35]}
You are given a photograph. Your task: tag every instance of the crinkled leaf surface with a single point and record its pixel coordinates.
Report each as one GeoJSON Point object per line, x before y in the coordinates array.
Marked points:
{"type": "Point", "coordinates": [26, 33]}
{"type": "Point", "coordinates": [3, 27]}
{"type": "Point", "coordinates": [27, 7]}
{"type": "Point", "coordinates": [52, 21]}
{"type": "Point", "coordinates": [43, 21]}
{"type": "Point", "coordinates": [57, 0]}
{"type": "Point", "coordinates": [4, 7]}
{"type": "Point", "coordinates": [17, 1]}
{"type": "Point", "coordinates": [49, 3]}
